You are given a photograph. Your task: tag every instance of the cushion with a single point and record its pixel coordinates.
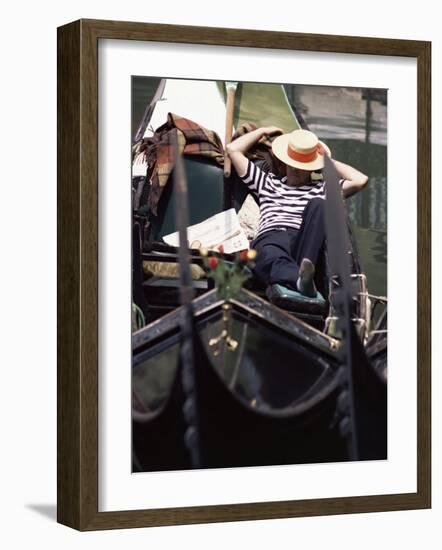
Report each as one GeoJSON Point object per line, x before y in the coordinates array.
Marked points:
{"type": "Point", "coordinates": [170, 269]}
{"type": "Point", "coordinates": [292, 300]}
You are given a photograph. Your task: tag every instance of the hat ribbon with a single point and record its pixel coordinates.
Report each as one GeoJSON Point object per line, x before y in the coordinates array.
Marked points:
{"type": "Point", "coordinates": [305, 157]}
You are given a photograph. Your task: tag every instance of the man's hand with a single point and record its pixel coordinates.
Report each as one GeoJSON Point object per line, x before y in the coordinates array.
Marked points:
{"type": "Point", "coordinates": [236, 149]}
{"type": "Point", "coordinates": [271, 130]}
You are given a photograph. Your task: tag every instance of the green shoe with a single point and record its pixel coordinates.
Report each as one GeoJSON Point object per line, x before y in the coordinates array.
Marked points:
{"type": "Point", "coordinates": [293, 300]}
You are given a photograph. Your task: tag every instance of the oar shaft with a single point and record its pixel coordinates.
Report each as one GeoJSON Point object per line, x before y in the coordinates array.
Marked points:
{"type": "Point", "coordinates": [338, 246]}
{"type": "Point", "coordinates": [187, 349]}
{"type": "Point", "coordinates": [230, 103]}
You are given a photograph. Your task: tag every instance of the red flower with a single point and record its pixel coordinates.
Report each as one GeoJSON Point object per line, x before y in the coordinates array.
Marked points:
{"type": "Point", "coordinates": [243, 255]}
{"type": "Point", "coordinates": [213, 262]}
{"type": "Point", "coordinates": [221, 248]}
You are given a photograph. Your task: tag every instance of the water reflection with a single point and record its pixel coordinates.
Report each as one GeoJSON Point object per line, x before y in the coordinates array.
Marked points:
{"type": "Point", "coordinates": [367, 209]}
{"type": "Point", "coordinates": [353, 122]}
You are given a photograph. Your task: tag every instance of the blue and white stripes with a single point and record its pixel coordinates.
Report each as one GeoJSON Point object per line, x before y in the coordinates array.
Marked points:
{"type": "Point", "coordinates": [281, 205]}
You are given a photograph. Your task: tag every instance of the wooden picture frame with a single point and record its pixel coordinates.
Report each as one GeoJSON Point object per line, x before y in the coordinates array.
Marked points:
{"type": "Point", "coordinates": [78, 274]}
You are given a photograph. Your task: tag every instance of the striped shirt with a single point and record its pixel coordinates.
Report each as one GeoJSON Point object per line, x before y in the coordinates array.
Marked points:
{"type": "Point", "coordinates": [280, 204]}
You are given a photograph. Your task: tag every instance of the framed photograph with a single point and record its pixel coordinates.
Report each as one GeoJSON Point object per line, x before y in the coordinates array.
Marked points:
{"type": "Point", "coordinates": [236, 211]}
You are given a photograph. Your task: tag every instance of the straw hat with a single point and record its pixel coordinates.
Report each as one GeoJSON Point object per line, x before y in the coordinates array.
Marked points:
{"type": "Point", "coordinates": [301, 149]}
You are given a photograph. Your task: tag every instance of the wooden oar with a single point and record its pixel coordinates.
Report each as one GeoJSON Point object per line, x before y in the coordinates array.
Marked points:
{"type": "Point", "coordinates": [338, 246]}
{"type": "Point", "coordinates": [187, 344]}
{"type": "Point", "coordinates": [230, 104]}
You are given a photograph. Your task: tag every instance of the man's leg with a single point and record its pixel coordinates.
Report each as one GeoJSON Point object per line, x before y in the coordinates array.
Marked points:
{"type": "Point", "coordinates": [311, 236]}
{"type": "Point", "coordinates": [308, 245]}
{"type": "Point", "coordinates": [274, 263]}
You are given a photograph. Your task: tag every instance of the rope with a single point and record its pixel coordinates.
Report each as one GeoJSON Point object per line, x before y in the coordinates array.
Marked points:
{"type": "Point", "coordinates": [140, 320]}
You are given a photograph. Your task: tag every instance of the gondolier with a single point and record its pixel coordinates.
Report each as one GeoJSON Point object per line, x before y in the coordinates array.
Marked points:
{"type": "Point", "coordinates": [291, 229]}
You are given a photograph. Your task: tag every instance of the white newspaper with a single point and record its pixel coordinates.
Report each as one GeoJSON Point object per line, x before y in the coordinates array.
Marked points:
{"type": "Point", "coordinates": [221, 229]}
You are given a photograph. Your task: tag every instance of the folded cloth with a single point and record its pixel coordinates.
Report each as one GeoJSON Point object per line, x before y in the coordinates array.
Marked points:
{"type": "Point", "coordinates": [170, 269]}
{"type": "Point", "coordinates": [192, 139]}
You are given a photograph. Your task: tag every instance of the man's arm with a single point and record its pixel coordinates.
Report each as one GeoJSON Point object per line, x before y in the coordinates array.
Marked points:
{"type": "Point", "coordinates": [236, 149]}
{"type": "Point", "coordinates": [354, 180]}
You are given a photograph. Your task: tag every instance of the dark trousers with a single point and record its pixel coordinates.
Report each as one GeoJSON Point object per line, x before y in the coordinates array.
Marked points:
{"type": "Point", "coordinates": [280, 251]}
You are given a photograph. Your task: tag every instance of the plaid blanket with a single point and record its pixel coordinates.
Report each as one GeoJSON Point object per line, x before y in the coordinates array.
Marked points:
{"type": "Point", "coordinates": [194, 140]}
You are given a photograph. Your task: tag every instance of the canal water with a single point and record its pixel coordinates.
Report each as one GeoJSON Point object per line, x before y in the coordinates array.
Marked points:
{"type": "Point", "coordinates": [353, 123]}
